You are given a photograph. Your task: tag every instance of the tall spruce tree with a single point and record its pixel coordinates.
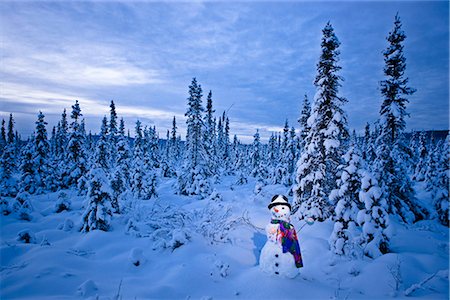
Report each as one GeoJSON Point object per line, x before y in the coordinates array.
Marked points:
{"type": "Point", "coordinates": [2, 136]}
{"type": "Point", "coordinates": [391, 152]}
{"type": "Point", "coordinates": [326, 139]}
{"type": "Point", "coordinates": [194, 175]}
{"type": "Point", "coordinates": [209, 138]}
{"type": "Point", "coordinates": [10, 129]}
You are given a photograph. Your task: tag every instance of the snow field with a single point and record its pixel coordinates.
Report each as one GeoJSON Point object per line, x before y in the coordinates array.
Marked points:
{"type": "Point", "coordinates": [85, 265]}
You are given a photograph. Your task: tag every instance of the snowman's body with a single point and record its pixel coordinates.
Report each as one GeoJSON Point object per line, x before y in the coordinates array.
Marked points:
{"type": "Point", "coordinates": [272, 260]}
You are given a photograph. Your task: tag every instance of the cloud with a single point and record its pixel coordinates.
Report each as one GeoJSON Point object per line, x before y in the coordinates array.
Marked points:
{"type": "Point", "coordinates": [75, 67]}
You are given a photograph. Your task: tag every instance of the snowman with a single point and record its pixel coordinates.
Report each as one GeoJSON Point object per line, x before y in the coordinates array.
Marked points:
{"type": "Point", "coordinates": [281, 255]}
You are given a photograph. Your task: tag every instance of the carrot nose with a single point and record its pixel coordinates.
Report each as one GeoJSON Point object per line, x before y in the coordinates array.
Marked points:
{"type": "Point", "coordinates": [276, 210]}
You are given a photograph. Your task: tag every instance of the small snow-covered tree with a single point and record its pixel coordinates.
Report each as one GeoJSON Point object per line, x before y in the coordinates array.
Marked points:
{"type": "Point", "coordinates": [8, 186]}
{"type": "Point", "coordinates": [373, 218]}
{"type": "Point", "coordinates": [325, 142]}
{"type": "Point", "coordinates": [258, 168]}
{"type": "Point", "coordinates": [97, 215]}
{"type": "Point", "coordinates": [22, 207]}
{"type": "Point", "coordinates": [27, 168]}
{"type": "Point", "coordinates": [346, 197]}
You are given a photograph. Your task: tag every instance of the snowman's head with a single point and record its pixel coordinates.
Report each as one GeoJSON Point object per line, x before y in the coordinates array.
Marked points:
{"type": "Point", "coordinates": [280, 208]}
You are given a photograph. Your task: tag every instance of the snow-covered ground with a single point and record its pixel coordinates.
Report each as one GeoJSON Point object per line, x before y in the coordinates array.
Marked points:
{"type": "Point", "coordinates": [63, 263]}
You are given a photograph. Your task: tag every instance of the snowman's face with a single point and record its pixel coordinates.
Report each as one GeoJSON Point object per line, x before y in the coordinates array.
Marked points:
{"type": "Point", "coordinates": [280, 212]}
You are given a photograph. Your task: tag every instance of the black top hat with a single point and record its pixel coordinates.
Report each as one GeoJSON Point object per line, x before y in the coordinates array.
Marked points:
{"type": "Point", "coordinates": [279, 200]}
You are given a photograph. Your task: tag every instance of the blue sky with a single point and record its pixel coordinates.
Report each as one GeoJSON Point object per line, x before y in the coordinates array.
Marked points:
{"type": "Point", "coordinates": [258, 58]}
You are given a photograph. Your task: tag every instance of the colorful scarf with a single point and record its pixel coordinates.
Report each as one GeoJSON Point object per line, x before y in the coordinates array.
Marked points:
{"type": "Point", "coordinates": [289, 241]}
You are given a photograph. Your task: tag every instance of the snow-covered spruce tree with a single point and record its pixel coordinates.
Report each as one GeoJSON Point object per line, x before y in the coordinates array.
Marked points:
{"type": "Point", "coordinates": [138, 172]}
{"type": "Point", "coordinates": [389, 166]}
{"type": "Point", "coordinates": [285, 167]}
{"type": "Point", "coordinates": [421, 165]}
{"type": "Point", "coordinates": [325, 143]}
{"type": "Point", "coordinates": [374, 219]}
{"type": "Point", "coordinates": [76, 163]}
{"type": "Point", "coordinates": [272, 153]}
{"type": "Point", "coordinates": [99, 196]}
{"type": "Point", "coordinates": [121, 174]}
{"type": "Point", "coordinates": [209, 138]}
{"type": "Point", "coordinates": [175, 152]}
{"type": "Point", "coordinates": [281, 169]}
{"type": "Point", "coordinates": [226, 143]}
{"type": "Point", "coordinates": [62, 138]}
{"type": "Point", "coordinates": [257, 165]}
{"type": "Point", "coordinates": [2, 137]}
{"type": "Point", "coordinates": [22, 207]}
{"type": "Point", "coordinates": [303, 121]}
{"type": "Point", "coordinates": [10, 134]}
{"type": "Point", "coordinates": [346, 197]}
{"type": "Point", "coordinates": [98, 209]}
{"type": "Point", "coordinates": [112, 129]}
{"type": "Point", "coordinates": [432, 163]}
{"type": "Point", "coordinates": [44, 173]}
{"type": "Point", "coordinates": [27, 168]}
{"type": "Point", "coordinates": [8, 186]}
{"type": "Point", "coordinates": [193, 179]}
{"type": "Point", "coordinates": [439, 193]}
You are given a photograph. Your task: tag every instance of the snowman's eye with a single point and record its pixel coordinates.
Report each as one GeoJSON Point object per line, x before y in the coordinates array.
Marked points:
{"type": "Point", "coordinates": [282, 207]}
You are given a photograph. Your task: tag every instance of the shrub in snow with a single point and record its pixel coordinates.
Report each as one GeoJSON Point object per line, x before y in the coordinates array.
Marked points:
{"type": "Point", "coordinates": [258, 187]}
{"type": "Point", "coordinates": [45, 242]}
{"type": "Point", "coordinates": [215, 196]}
{"type": "Point", "coordinates": [241, 178]}
{"type": "Point", "coordinates": [137, 257]}
{"type": "Point", "coordinates": [5, 209]}
{"type": "Point", "coordinates": [22, 206]}
{"type": "Point", "coordinates": [67, 225]}
{"type": "Point", "coordinates": [214, 222]}
{"type": "Point", "coordinates": [98, 210]}
{"type": "Point", "coordinates": [62, 203]}
{"type": "Point", "coordinates": [373, 218]}
{"type": "Point", "coordinates": [220, 269]}
{"type": "Point", "coordinates": [87, 288]}
{"type": "Point", "coordinates": [169, 227]}
{"type": "Point", "coordinates": [26, 236]}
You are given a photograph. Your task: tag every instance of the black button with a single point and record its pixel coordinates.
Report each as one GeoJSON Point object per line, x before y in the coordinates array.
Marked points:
{"type": "Point", "coordinates": [276, 265]}
{"type": "Point", "coordinates": [277, 273]}
{"type": "Point", "coordinates": [276, 255]}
